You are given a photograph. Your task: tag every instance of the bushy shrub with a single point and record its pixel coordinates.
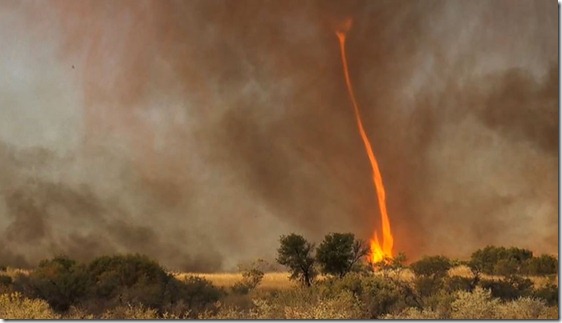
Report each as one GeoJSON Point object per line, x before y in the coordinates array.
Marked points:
{"type": "Point", "coordinates": [509, 288]}
{"type": "Point", "coordinates": [377, 295]}
{"type": "Point", "coordinates": [524, 308]}
{"type": "Point", "coordinates": [116, 282]}
{"type": "Point", "coordinates": [499, 260]}
{"type": "Point", "coordinates": [16, 307]}
{"type": "Point", "coordinates": [434, 266]}
{"type": "Point", "coordinates": [543, 265]}
{"type": "Point", "coordinates": [300, 303]}
{"type": "Point", "coordinates": [342, 306]}
{"type": "Point", "coordinates": [427, 286]}
{"type": "Point", "coordinates": [6, 284]}
{"type": "Point", "coordinates": [59, 281]}
{"type": "Point", "coordinates": [477, 304]}
{"type": "Point", "coordinates": [5, 280]}
{"type": "Point", "coordinates": [458, 283]}
{"type": "Point", "coordinates": [129, 312]}
{"type": "Point", "coordinates": [412, 313]}
{"type": "Point", "coordinates": [194, 294]}
{"type": "Point", "coordinates": [547, 293]}
{"type": "Point", "coordinates": [128, 279]}
{"type": "Point", "coordinates": [252, 276]}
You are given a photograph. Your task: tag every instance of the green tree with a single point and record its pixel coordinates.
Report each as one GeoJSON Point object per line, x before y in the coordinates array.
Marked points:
{"type": "Point", "coordinates": [296, 254]}
{"type": "Point", "coordinates": [339, 252]}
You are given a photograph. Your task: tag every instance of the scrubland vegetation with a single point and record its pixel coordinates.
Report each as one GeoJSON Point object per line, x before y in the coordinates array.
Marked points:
{"type": "Point", "coordinates": [331, 281]}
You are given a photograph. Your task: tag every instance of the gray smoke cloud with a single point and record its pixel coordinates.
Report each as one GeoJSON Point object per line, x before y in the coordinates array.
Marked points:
{"type": "Point", "coordinates": [198, 132]}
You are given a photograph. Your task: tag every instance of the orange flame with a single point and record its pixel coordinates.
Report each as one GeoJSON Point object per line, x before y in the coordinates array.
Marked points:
{"type": "Point", "coordinates": [378, 252]}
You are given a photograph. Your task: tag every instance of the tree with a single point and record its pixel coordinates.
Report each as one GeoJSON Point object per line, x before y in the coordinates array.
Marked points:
{"type": "Point", "coordinates": [339, 252]}
{"type": "Point", "coordinates": [296, 253]}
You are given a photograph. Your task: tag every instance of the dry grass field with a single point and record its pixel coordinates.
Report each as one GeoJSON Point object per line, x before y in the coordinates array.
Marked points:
{"type": "Point", "coordinates": [280, 280]}
{"type": "Point", "coordinates": [277, 280]}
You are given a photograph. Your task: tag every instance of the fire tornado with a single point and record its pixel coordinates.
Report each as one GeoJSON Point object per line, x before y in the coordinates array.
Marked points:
{"type": "Point", "coordinates": [378, 252]}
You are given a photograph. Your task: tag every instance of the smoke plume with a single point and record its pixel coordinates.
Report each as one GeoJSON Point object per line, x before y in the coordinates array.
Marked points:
{"type": "Point", "coordinates": [198, 132]}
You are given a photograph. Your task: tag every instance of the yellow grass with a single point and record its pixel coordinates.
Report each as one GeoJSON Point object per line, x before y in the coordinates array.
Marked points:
{"type": "Point", "coordinates": [13, 272]}
{"type": "Point", "coordinates": [270, 280]}
{"type": "Point", "coordinates": [538, 281]}
{"type": "Point", "coordinates": [280, 280]}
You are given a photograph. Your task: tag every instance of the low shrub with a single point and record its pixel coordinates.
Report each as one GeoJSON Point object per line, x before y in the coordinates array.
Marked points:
{"type": "Point", "coordinates": [547, 293]}
{"type": "Point", "coordinates": [130, 312]}
{"type": "Point", "coordinates": [458, 283]}
{"type": "Point", "coordinates": [5, 280]}
{"type": "Point", "coordinates": [434, 266]}
{"type": "Point", "coordinates": [194, 294]}
{"type": "Point", "coordinates": [477, 304]}
{"type": "Point", "coordinates": [252, 276]}
{"type": "Point", "coordinates": [378, 295]}
{"type": "Point", "coordinates": [16, 307]}
{"type": "Point", "coordinates": [524, 308]}
{"type": "Point", "coordinates": [509, 288]}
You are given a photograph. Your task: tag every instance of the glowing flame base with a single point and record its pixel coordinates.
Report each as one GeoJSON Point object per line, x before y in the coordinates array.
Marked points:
{"type": "Point", "coordinates": [379, 252]}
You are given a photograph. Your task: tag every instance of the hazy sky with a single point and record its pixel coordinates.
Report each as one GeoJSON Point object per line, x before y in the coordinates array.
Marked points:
{"type": "Point", "coordinates": [198, 132]}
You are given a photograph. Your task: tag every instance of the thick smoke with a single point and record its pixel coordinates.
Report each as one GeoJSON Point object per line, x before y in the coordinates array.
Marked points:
{"type": "Point", "coordinates": [197, 132]}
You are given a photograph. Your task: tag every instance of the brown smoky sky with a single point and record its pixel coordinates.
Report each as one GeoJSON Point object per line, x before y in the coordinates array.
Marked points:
{"type": "Point", "coordinates": [198, 132]}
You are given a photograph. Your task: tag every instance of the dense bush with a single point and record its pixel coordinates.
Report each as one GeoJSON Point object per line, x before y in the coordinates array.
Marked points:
{"type": "Point", "coordinates": [378, 295]}
{"type": "Point", "coordinates": [111, 284]}
{"type": "Point", "coordinates": [435, 266]}
{"type": "Point", "coordinates": [5, 280]}
{"type": "Point", "coordinates": [430, 278]}
{"type": "Point", "coordinates": [458, 283]}
{"type": "Point", "coordinates": [59, 281]}
{"type": "Point", "coordinates": [128, 279]}
{"type": "Point", "coordinates": [499, 260]}
{"type": "Point", "coordinates": [479, 304]}
{"type": "Point", "coordinates": [548, 293]}
{"type": "Point", "coordinates": [195, 294]}
{"type": "Point", "coordinates": [139, 281]}
{"type": "Point", "coordinates": [509, 288]}
{"type": "Point", "coordinates": [543, 265]}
